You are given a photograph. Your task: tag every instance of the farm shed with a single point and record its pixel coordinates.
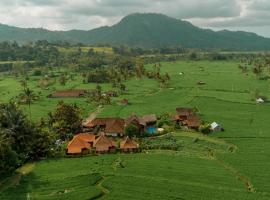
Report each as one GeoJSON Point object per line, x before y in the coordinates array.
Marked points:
{"type": "Point", "coordinates": [81, 143]}
{"type": "Point", "coordinates": [201, 83]}
{"type": "Point", "coordinates": [129, 145]}
{"type": "Point", "coordinates": [259, 100]}
{"type": "Point", "coordinates": [215, 127]}
{"type": "Point", "coordinates": [104, 145]}
{"type": "Point", "coordinates": [68, 93]}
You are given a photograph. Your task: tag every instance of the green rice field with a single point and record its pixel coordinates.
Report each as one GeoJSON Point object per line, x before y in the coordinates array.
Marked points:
{"type": "Point", "coordinates": [205, 170]}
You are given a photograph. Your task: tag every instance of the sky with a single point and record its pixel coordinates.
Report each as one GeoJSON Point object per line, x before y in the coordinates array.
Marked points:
{"type": "Point", "coordinates": [246, 15]}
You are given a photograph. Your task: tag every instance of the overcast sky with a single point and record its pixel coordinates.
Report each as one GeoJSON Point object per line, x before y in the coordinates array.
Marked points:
{"type": "Point", "coordinates": [249, 15]}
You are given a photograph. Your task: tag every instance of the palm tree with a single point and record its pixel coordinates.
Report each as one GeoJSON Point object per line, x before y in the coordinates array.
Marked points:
{"type": "Point", "coordinates": [29, 98]}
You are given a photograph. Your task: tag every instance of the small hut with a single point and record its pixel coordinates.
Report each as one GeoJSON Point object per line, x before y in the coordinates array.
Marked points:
{"type": "Point", "coordinates": [104, 145]}
{"type": "Point", "coordinates": [129, 145]}
{"type": "Point", "coordinates": [201, 83]}
{"type": "Point", "coordinates": [215, 127]}
{"type": "Point", "coordinates": [259, 100]}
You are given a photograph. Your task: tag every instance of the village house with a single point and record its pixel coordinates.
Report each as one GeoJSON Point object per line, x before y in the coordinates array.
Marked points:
{"type": "Point", "coordinates": [81, 144]}
{"type": "Point", "coordinates": [68, 93]}
{"type": "Point", "coordinates": [182, 114]}
{"type": "Point", "coordinates": [193, 122]}
{"type": "Point", "coordinates": [147, 123]}
{"type": "Point", "coordinates": [110, 126]}
{"type": "Point", "coordinates": [129, 145]}
{"type": "Point", "coordinates": [134, 120]}
{"type": "Point", "coordinates": [104, 145]}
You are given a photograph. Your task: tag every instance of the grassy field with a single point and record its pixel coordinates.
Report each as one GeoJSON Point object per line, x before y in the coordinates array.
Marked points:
{"type": "Point", "coordinates": [155, 174]}
{"type": "Point", "coordinates": [190, 173]}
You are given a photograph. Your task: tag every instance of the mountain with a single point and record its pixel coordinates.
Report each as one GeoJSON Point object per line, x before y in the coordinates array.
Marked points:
{"type": "Point", "coordinates": [145, 30]}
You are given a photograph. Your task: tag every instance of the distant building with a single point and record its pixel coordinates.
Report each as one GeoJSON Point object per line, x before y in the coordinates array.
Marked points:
{"type": "Point", "coordinates": [259, 100]}
{"type": "Point", "coordinates": [201, 83]}
{"type": "Point", "coordinates": [68, 93]}
{"type": "Point", "coordinates": [182, 114]}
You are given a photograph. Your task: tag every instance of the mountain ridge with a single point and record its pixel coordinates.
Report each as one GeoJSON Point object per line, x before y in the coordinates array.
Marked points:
{"type": "Point", "coordinates": [147, 30]}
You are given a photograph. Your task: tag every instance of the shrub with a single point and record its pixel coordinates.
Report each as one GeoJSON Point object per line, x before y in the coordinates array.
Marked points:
{"type": "Point", "coordinates": [132, 130]}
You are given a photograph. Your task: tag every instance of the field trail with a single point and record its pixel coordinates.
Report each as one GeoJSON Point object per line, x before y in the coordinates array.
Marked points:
{"type": "Point", "coordinates": [101, 187]}
{"type": "Point", "coordinates": [249, 186]}
{"type": "Point", "coordinates": [93, 115]}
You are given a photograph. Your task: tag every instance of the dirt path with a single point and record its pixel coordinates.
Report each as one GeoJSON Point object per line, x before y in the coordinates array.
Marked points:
{"type": "Point", "coordinates": [247, 183]}
{"type": "Point", "coordinates": [101, 187]}
{"type": "Point", "coordinates": [93, 115]}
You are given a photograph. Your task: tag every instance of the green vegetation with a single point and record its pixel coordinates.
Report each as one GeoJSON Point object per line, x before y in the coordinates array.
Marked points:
{"type": "Point", "coordinates": [147, 31]}
{"type": "Point", "coordinates": [233, 164]}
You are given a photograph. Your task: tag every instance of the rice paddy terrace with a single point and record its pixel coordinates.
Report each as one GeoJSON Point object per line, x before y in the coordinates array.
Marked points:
{"type": "Point", "coordinates": [228, 165]}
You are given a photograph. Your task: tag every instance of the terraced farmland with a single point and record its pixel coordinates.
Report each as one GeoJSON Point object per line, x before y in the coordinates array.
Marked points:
{"type": "Point", "coordinates": [207, 169]}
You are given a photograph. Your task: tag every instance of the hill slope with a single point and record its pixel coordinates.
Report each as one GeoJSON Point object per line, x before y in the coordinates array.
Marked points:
{"type": "Point", "coordinates": [145, 30]}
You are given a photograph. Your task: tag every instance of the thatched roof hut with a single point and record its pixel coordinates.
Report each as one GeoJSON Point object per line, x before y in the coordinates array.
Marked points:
{"type": "Point", "coordinates": [129, 145]}
{"type": "Point", "coordinates": [104, 144]}
{"type": "Point", "coordinates": [81, 143]}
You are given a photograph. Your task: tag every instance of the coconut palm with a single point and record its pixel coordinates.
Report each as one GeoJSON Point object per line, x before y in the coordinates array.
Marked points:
{"type": "Point", "coordinates": [29, 98]}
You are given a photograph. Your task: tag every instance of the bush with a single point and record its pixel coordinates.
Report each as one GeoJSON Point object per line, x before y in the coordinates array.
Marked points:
{"type": "Point", "coordinates": [205, 128]}
{"type": "Point", "coordinates": [132, 130]}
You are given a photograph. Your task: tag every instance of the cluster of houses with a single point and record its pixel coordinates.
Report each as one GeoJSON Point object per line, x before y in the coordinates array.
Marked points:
{"type": "Point", "coordinates": [84, 143]}
{"type": "Point", "coordinates": [186, 117]}
{"type": "Point", "coordinates": [108, 129]}
{"type": "Point", "coordinates": [115, 127]}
